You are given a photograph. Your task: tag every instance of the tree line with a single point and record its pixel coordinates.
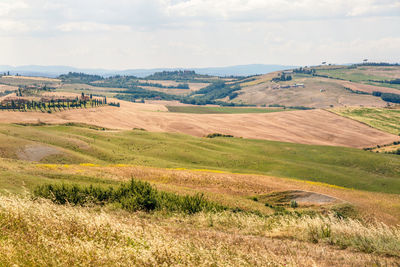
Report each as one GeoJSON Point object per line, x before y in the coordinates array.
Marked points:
{"type": "Point", "coordinates": [388, 97]}
{"type": "Point", "coordinates": [49, 104]}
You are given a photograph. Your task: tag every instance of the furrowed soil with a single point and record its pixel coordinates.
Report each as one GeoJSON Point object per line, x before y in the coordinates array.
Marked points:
{"type": "Point", "coordinates": [306, 127]}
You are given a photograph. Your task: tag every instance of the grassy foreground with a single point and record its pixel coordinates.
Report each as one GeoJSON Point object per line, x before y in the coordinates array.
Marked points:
{"type": "Point", "coordinates": [384, 119]}
{"type": "Point", "coordinates": [39, 233]}
{"type": "Point", "coordinates": [95, 218]}
{"type": "Point", "coordinates": [345, 167]}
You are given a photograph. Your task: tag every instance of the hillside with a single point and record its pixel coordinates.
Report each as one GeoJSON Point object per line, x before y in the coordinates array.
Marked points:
{"type": "Point", "coordinates": [326, 86]}
{"type": "Point", "coordinates": [311, 87]}
{"type": "Point", "coordinates": [303, 126]}
{"type": "Point", "coordinates": [346, 167]}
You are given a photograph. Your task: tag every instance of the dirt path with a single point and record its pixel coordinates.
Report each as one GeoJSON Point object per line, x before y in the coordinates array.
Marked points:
{"type": "Point", "coordinates": [307, 127]}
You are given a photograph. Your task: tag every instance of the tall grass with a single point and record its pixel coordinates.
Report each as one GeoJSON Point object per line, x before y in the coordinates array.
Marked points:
{"type": "Point", "coordinates": [376, 238]}
{"type": "Point", "coordinates": [133, 196]}
{"type": "Point", "coordinates": [41, 233]}
{"type": "Point", "coordinates": [333, 230]}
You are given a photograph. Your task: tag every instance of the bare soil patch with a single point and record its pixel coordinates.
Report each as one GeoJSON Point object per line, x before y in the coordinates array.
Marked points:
{"type": "Point", "coordinates": [37, 152]}
{"type": "Point", "coordinates": [302, 197]}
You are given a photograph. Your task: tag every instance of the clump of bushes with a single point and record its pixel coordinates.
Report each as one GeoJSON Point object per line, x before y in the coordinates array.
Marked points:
{"type": "Point", "coordinates": [133, 196]}
{"type": "Point", "coordinates": [213, 135]}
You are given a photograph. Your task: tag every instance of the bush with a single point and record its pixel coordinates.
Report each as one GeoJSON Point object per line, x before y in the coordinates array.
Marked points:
{"type": "Point", "coordinates": [213, 135]}
{"type": "Point", "coordinates": [132, 196]}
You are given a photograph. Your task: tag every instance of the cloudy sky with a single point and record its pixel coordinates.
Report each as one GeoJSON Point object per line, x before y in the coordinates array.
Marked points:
{"type": "Point", "coordinates": [122, 34]}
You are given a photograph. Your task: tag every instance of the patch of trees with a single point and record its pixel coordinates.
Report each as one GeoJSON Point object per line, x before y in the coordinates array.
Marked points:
{"type": "Point", "coordinates": [175, 75]}
{"type": "Point", "coordinates": [49, 105]}
{"type": "Point", "coordinates": [179, 86]}
{"type": "Point", "coordinates": [327, 76]}
{"type": "Point", "coordinates": [289, 107]}
{"type": "Point", "coordinates": [376, 93]}
{"type": "Point", "coordinates": [388, 97]}
{"type": "Point", "coordinates": [79, 77]}
{"type": "Point", "coordinates": [119, 81]}
{"type": "Point", "coordinates": [304, 70]}
{"type": "Point", "coordinates": [395, 81]}
{"type": "Point", "coordinates": [383, 64]}
{"type": "Point", "coordinates": [356, 91]}
{"type": "Point", "coordinates": [136, 93]}
{"type": "Point", "coordinates": [210, 94]}
{"type": "Point", "coordinates": [283, 77]}
{"type": "Point", "coordinates": [233, 95]}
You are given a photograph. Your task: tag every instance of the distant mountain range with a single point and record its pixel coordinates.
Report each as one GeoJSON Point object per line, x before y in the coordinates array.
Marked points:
{"type": "Point", "coordinates": [54, 71]}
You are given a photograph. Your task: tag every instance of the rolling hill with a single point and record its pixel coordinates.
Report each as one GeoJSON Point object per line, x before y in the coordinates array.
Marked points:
{"type": "Point", "coordinates": [326, 86]}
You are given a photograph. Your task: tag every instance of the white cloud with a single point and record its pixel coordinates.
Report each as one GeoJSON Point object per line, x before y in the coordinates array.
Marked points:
{"type": "Point", "coordinates": [261, 10]}
{"type": "Point", "coordinates": [161, 33]}
{"type": "Point", "coordinates": [6, 6]}
{"type": "Point", "coordinates": [13, 27]}
{"type": "Point", "coordinates": [84, 26]}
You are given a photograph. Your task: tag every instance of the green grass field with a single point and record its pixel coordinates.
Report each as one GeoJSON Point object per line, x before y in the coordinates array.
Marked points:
{"type": "Point", "coordinates": [358, 75]}
{"type": "Point", "coordinates": [346, 167]}
{"type": "Point", "coordinates": [221, 110]}
{"type": "Point", "coordinates": [354, 75]}
{"type": "Point", "coordinates": [384, 119]}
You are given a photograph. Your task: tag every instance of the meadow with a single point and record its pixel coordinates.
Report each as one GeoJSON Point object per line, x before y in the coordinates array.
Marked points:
{"type": "Point", "coordinates": [365, 75]}
{"type": "Point", "coordinates": [345, 167]}
{"type": "Point", "coordinates": [384, 119]}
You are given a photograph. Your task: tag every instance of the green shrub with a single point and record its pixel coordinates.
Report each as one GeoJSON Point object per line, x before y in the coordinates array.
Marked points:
{"type": "Point", "coordinates": [293, 204]}
{"type": "Point", "coordinates": [213, 135]}
{"type": "Point", "coordinates": [132, 196]}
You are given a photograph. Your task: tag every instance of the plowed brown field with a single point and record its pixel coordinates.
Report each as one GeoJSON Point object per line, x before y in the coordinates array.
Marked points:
{"type": "Point", "coordinates": [307, 127]}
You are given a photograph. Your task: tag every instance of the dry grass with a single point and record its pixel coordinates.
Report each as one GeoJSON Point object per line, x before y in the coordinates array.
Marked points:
{"type": "Point", "coordinates": [39, 233]}
{"type": "Point", "coordinates": [384, 119]}
{"type": "Point", "coordinates": [261, 92]}
{"type": "Point", "coordinates": [40, 79]}
{"type": "Point", "coordinates": [4, 87]}
{"type": "Point", "coordinates": [235, 190]}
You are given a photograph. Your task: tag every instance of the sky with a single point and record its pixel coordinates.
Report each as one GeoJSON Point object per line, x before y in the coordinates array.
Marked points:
{"type": "Point", "coordinates": [123, 34]}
